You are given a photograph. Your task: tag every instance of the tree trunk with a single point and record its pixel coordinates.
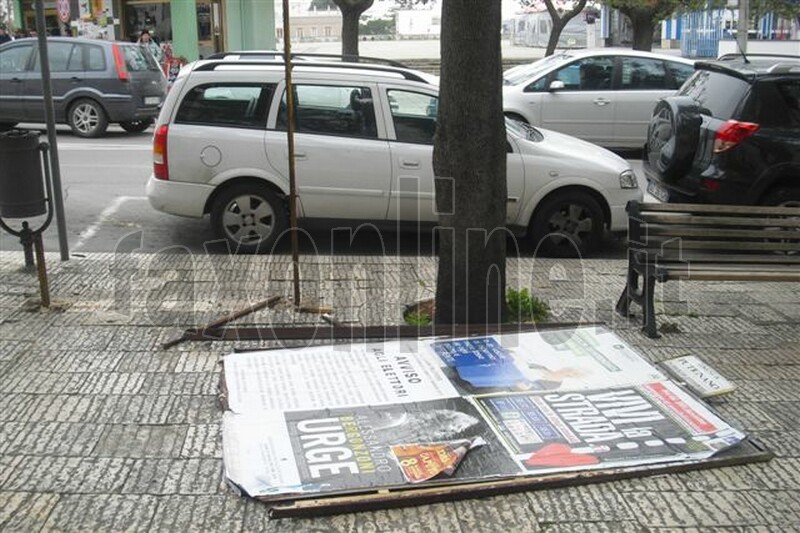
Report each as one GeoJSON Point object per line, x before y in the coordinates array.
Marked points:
{"type": "Point", "coordinates": [469, 160]}
{"type": "Point", "coordinates": [555, 35]}
{"type": "Point", "coordinates": [351, 13]}
{"type": "Point", "coordinates": [643, 28]}
{"type": "Point", "coordinates": [559, 22]}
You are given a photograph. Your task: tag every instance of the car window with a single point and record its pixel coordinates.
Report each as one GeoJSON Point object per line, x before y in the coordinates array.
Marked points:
{"type": "Point", "coordinates": [640, 73]}
{"type": "Point", "coordinates": [588, 74]}
{"type": "Point", "coordinates": [774, 104]}
{"type": "Point", "coordinates": [679, 73]}
{"type": "Point", "coordinates": [332, 110]}
{"type": "Point", "coordinates": [14, 59]}
{"type": "Point", "coordinates": [137, 59]}
{"type": "Point", "coordinates": [523, 73]}
{"type": "Point", "coordinates": [719, 93]}
{"type": "Point", "coordinates": [231, 105]}
{"type": "Point", "coordinates": [63, 57]}
{"type": "Point", "coordinates": [413, 115]}
{"type": "Point", "coordinates": [95, 59]}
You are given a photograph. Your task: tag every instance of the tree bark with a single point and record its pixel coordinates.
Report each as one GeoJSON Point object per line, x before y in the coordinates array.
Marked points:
{"type": "Point", "coordinates": [559, 22]}
{"type": "Point", "coordinates": [643, 24]}
{"type": "Point", "coordinates": [469, 160]}
{"type": "Point", "coordinates": [351, 13]}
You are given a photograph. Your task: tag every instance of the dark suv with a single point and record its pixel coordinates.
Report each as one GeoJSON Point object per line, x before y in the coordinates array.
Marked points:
{"type": "Point", "coordinates": [94, 82]}
{"type": "Point", "coordinates": [731, 135]}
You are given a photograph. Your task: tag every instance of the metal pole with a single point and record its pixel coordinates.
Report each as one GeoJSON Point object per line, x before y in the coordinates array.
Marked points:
{"type": "Point", "coordinates": [49, 113]}
{"type": "Point", "coordinates": [287, 61]}
{"type": "Point", "coordinates": [743, 25]}
{"type": "Point", "coordinates": [44, 286]}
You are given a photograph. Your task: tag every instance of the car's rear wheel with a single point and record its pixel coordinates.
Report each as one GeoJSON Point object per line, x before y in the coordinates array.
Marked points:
{"type": "Point", "coordinates": [5, 126]}
{"type": "Point", "coordinates": [249, 216]}
{"type": "Point", "coordinates": [136, 126]}
{"type": "Point", "coordinates": [87, 118]}
{"type": "Point", "coordinates": [672, 136]}
{"type": "Point", "coordinates": [567, 224]}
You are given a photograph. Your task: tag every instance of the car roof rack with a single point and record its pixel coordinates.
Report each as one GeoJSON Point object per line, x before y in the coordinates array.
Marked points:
{"type": "Point", "coordinates": [732, 56]}
{"type": "Point", "coordinates": [344, 58]}
{"type": "Point", "coordinates": [212, 64]}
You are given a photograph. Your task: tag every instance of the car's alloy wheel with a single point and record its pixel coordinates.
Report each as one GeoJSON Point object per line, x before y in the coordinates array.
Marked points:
{"type": "Point", "coordinates": [136, 126]}
{"type": "Point", "coordinates": [249, 217]}
{"type": "Point", "coordinates": [87, 119]}
{"type": "Point", "coordinates": [568, 224]}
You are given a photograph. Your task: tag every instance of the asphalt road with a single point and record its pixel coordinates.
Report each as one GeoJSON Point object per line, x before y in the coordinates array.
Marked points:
{"type": "Point", "coordinates": [107, 211]}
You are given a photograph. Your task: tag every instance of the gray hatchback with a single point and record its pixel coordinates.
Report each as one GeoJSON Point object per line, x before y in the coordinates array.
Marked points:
{"type": "Point", "coordinates": [94, 83]}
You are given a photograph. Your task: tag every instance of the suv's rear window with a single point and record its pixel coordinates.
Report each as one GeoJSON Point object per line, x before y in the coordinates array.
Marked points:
{"type": "Point", "coordinates": [226, 104]}
{"type": "Point", "coordinates": [719, 93]}
{"type": "Point", "coordinates": [137, 59]}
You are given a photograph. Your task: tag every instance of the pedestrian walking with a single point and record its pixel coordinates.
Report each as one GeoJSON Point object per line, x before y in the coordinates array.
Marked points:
{"type": "Point", "coordinates": [4, 36]}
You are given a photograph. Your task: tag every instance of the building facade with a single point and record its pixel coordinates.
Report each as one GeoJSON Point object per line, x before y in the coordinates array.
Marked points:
{"type": "Point", "coordinates": [196, 28]}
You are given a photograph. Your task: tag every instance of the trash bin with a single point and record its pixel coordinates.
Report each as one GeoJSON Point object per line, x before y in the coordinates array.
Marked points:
{"type": "Point", "coordinates": [21, 184]}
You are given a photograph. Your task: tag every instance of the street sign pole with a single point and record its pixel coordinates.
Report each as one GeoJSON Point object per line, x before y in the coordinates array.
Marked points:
{"type": "Point", "coordinates": [49, 113]}
{"type": "Point", "coordinates": [287, 58]}
{"type": "Point", "coordinates": [743, 25]}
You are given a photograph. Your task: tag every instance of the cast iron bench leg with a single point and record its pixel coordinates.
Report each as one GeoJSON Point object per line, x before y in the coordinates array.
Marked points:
{"type": "Point", "coordinates": [649, 307]}
{"type": "Point", "coordinates": [631, 288]}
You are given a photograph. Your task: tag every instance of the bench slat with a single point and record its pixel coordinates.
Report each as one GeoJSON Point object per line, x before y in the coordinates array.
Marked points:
{"type": "Point", "coordinates": [739, 210]}
{"type": "Point", "coordinates": [682, 256]}
{"type": "Point", "coordinates": [727, 275]}
{"type": "Point", "coordinates": [653, 245]}
{"type": "Point", "coordinates": [763, 235]}
{"type": "Point", "coordinates": [697, 220]}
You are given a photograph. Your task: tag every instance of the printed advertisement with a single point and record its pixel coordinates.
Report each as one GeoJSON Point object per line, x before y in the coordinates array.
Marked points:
{"type": "Point", "coordinates": [336, 450]}
{"type": "Point", "coordinates": [333, 376]}
{"type": "Point", "coordinates": [655, 422]}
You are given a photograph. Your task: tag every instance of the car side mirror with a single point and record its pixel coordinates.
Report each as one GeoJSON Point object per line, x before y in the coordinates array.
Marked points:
{"type": "Point", "coordinates": [556, 85]}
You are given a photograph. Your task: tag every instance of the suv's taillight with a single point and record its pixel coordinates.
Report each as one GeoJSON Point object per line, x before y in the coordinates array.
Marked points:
{"type": "Point", "coordinates": [119, 61]}
{"type": "Point", "coordinates": [732, 133]}
{"type": "Point", "coordinates": [160, 166]}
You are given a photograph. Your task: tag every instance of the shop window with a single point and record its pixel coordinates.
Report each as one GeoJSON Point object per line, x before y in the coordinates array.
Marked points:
{"type": "Point", "coordinates": [231, 105]}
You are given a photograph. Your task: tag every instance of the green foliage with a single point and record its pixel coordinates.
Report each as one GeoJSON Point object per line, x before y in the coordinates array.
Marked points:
{"type": "Point", "coordinates": [524, 307]}
{"type": "Point", "coordinates": [418, 319]}
{"type": "Point", "coordinates": [377, 27]}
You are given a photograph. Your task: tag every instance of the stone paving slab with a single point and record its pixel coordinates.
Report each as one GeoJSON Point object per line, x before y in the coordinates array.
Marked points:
{"type": "Point", "coordinates": [100, 430]}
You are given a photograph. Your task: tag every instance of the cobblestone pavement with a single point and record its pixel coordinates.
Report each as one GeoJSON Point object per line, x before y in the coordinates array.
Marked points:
{"type": "Point", "coordinates": [101, 430]}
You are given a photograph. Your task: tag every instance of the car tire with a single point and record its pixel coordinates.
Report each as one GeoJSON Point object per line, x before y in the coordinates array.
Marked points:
{"type": "Point", "coordinates": [249, 216]}
{"type": "Point", "coordinates": [87, 119]}
{"type": "Point", "coordinates": [783, 196]}
{"type": "Point", "coordinates": [672, 136]}
{"type": "Point", "coordinates": [567, 224]}
{"type": "Point", "coordinates": [6, 126]}
{"type": "Point", "coordinates": [136, 126]}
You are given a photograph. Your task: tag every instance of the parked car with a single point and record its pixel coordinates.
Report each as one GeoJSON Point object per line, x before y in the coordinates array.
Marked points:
{"type": "Point", "coordinates": [363, 153]}
{"type": "Point", "coordinates": [94, 83]}
{"type": "Point", "coordinates": [730, 136]}
{"type": "Point", "coordinates": [604, 96]}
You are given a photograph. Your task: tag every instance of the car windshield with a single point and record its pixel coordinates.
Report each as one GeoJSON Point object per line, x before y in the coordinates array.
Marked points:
{"type": "Point", "coordinates": [523, 131]}
{"type": "Point", "coordinates": [523, 73]}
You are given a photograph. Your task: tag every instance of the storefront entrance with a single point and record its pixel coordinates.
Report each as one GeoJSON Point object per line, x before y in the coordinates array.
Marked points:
{"type": "Point", "coordinates": [157, 18]}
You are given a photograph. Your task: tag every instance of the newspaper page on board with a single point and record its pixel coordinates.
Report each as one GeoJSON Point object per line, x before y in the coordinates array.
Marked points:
{"type": "Point", "coordinates": [338, 419]}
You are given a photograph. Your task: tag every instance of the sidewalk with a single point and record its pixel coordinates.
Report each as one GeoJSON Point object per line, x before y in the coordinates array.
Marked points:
{"type": "Point", "coordinates": [101, 430]}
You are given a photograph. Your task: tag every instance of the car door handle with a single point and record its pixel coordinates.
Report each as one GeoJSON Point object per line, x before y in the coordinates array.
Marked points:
{"type": "Point", "coordinates": [76, 78]}
{"type": "Point", "coordinates": [409, 164]}
{"type": "Point", "coordinates": [300, 156]}
{"type": "Point", "coordinates": [601, 101]}
{"type": "Point", "coordinates": [16, 80]}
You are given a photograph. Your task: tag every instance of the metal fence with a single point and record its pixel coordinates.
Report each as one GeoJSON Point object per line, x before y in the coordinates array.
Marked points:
{"type": "Point", "coordinates": [701, 32]}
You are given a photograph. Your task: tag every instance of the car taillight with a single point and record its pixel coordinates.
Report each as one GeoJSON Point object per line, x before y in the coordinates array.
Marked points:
{"type": "Point", "coordinates": [732, 133]}
{"type": "Point", "coordinates": [160, 166]}
{"type": "Point", "coordinates": [119, 61]}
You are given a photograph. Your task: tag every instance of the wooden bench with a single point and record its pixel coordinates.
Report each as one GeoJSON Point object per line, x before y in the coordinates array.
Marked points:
{"type": "Point", "coordinates": [706, 243]}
